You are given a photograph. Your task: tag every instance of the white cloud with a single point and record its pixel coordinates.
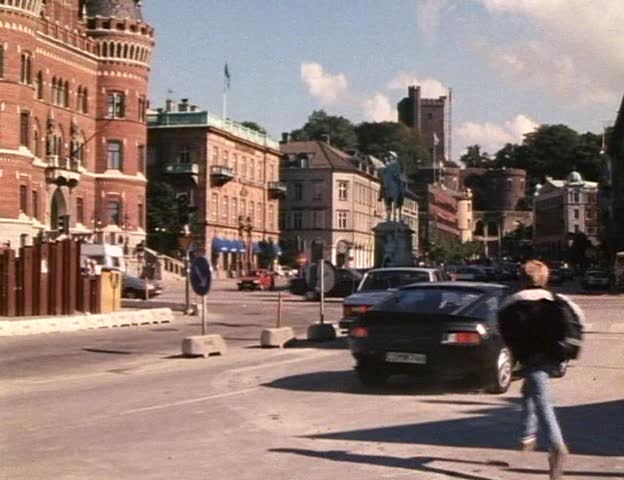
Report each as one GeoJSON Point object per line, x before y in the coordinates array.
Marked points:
{"type": "Point", "coordinates": [428, 17]}
{"type": "Point", "coordinates": [578, 55]}
{"type": "Point", "coordinates": [491, 136]}
{"type": "Point", "coordinates": [322, 85]}
{"type": "Point", "coordinates": [379, 109]}
{"type": "Point", "coordinates": [429, 87]}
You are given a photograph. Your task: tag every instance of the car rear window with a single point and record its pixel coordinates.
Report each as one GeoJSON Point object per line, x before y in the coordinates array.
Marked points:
{"type": "Point", "coordinates": [430, 300]}
{"type": "Point", "coordinates": [392, 279]}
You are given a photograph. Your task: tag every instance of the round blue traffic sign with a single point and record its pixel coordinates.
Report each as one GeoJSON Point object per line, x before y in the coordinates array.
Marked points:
{"type": "Point", "coordinates": [201, 275]}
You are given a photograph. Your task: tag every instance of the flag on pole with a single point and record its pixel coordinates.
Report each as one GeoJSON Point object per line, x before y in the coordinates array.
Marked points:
{"type": "Point", "coordinates": [227, 77]}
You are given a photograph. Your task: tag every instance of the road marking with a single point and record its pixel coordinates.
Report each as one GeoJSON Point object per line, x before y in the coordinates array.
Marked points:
{"type": "Point", "coordinates": [189, 401]}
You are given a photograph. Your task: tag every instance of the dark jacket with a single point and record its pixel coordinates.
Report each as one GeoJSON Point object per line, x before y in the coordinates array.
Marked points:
{"type": "Point", "coordinates": [531, 325]}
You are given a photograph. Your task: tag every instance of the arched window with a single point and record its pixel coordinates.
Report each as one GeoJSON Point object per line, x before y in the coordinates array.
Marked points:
{"type": "Point", "coordinates": [105, 49]}
{"type": "Point", "coordinates": [39, 86]}
{"type": "Point", "coordinates": [119, 50]}
{"type": "Point", "coordinates": [53, 90]}
{"type": "Point", "coordinates": [66, 94]}
{"type": "Point", "coordinates": [132, 52]}
{"type": "Point", "coordinates": [85, 101]}
{"type": "Point", "coordinates": [125, 51]}
{"type": "Point", "coordinates": [79, 99]}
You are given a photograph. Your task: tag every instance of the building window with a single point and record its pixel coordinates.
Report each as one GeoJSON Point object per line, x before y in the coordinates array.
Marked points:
{"type": "Point", "coordinates": [215, 155]}
{"type": "Point", "coordinates": [576, 214]}
{"type": "Point", "coordinates": [39, 86]}
{"type": "Point", "coordinates": [141, 214]}
{"type": "Point", "coordinates": [114, 152]}
{"type": "Point", "coordinates": [184, 155]}
{"type": "Point", "coordinates": [65, 102]}
{"type": "Point", "coordinates": [114, 212]}
{"type": "Point", "coordinates": [271, 217]}
{"type": "Point", "coordinates": [235, 163]}
{"type": "Point", "coordinates": [80, 210]}
{"type": "Point", "coordinates": [318, 218]}
{"type": "Point", "coordinates": [243, 208]}
{"type": "Point", "coordinates": [234, 211]}
{"type": "Point", "coordinates": [23, 199]}
{"type": "Point", "coordinates": [576, 197]}
{"type": "Point", "coordinates": [214, 211]}
{"type": "Point", "coordinates": [115, 105]}
{"type": "Point", "coordinates": [226, 158]}
{"type": "Point", "coordinates": [141, 158]}
{"type": "Point", "coordinates": [298, 191]}
{"type": "Point", "coordinates": [252, 212]}
{"type": "Point", "coordinates": [577, 228]}
{"type": "Point", "coordinates": [342, 220]}
{"type": "Point", "coordinates": [26, 73]}
{"type": "Point", "coordinates": [142, 108]}
{"type": "Point", "coordinates": [243, 167]}
{"type": "Point", "coordinates": [317, 191]}
{"type": "Point", "coordinates": [250, 170]}
{"type": "Point", "coordinates": [225, 211]}
{"type": "Point", "coordinates": [342, 190]}
{"type": "Point", "coordinates": [36, 141]}
{"type": "Point", "coordinates": [35, 204]}
{"type": "Point", "coordinates": [24, 128]}
{"type": "Point", "coordinates": [1, 61]}
{"type": "Point", "coordinates": [297, 220]}
{"type": "Point", "coordinates": [259, 171]}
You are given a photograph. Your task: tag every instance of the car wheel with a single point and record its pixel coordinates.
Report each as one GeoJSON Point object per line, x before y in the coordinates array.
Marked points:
{"type": "Point", "coordinates": [371, 375]}
{"type": "Point", "coordinates": [500, 376]}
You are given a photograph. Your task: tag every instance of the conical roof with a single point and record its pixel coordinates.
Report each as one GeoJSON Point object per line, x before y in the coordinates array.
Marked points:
{"type": "Point", "coordinates": [115, 8]}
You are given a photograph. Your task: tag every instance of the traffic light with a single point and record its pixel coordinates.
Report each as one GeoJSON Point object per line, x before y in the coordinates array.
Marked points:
{"type": "Point", "coordinates": [63, 224]}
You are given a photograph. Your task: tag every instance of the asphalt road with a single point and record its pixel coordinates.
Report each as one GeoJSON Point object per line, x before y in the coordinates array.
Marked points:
{"type": "Point", "coordinates": [122, 404]}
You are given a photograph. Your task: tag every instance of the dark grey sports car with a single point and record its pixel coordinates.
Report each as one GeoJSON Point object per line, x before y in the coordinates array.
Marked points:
{"type": "Point", "coordinates": [444, 329]}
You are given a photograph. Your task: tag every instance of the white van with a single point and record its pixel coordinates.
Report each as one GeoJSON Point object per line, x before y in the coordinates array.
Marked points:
{"type": "Point", "coordinates": [102, 257]}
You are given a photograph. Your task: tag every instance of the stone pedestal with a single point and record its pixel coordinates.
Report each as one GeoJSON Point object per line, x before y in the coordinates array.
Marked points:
{"type": "Point", "coordinates": [393, 245]}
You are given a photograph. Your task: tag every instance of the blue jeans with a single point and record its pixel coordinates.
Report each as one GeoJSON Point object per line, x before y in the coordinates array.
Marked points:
{"type": "Point", "coordinates": [537, 405]}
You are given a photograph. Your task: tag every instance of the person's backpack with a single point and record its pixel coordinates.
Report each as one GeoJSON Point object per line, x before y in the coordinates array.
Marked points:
{"type": "Point", "coordinates": [569, 347]}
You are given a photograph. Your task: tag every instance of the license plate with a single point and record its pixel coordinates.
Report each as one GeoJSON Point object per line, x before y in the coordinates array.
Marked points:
{"type": "Point", "coordinates": [404, 357]}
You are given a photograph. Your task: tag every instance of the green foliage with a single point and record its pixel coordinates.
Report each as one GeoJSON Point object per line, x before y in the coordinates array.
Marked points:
{"type": "Point", "coordinates": [452, 251]}
{"type": "Point", "coordinates": [377, 138]}
{"type": "Point", "coordinates": [254, 126]}
{"type": "Point", "coordinates": [166, 217]}
{"type": "Point", "coordinates": [341, 130]}
{"type": "Point", "coordinates": [554, 150]}
{"type": "Point", "coordinates": [475, 158]}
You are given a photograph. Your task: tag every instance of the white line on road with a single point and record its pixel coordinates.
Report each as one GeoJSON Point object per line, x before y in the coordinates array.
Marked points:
{"type": "Point", "coordinates": [189, 401]}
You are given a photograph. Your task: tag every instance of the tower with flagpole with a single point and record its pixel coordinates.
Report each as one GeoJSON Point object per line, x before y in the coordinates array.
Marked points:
{"type": "Point", "coordinates": [226, 88]}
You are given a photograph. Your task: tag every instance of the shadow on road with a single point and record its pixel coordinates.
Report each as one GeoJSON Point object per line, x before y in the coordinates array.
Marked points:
{"type": "Point", "coordinates": [424, 464]}
{"type": "Point", "coordinates": [590, 429]}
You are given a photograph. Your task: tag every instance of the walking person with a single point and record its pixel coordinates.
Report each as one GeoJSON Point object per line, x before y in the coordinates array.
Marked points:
{"type": "Point", "coordinates": [543, 331]}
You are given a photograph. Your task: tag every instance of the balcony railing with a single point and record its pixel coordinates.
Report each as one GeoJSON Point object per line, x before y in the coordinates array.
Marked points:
{"type": "Point", "coordinates": [182, 168]}
{"type": "Point", "coordinates": [220, 174]}
{"type": "Point", "coordinates": [63, 171]}
{"type": "Point", "coordinates": [277, 190]}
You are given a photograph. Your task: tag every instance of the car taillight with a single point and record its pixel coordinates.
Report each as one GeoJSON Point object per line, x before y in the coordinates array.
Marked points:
{"type": "Point", "coordinates": [355, 310]}
{"type": "Point", "coordinates": [461, 338]}
{"type": "Point", "coordinates": [359, 332]}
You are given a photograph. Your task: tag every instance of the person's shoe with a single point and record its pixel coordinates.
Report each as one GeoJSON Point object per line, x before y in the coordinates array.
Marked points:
{"type": "Point", "coordinates": [528, 444]}
{"type": "Point", "coordinates": [555, 461]}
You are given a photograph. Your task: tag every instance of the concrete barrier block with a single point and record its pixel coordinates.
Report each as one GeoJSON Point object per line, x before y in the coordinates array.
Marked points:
{"type": "Point", "coordinates": [203, 346]}
{"type": "Point", "coordinates": [321, 332]}
{"type": "Point", "coordinates": [26, 327]}
{"type": "Point", "coordinates": [276, 337]}
{"type": "Point", "coordinates": [162, 315]}
{"type": "Point", "coordinates": [6, 329]}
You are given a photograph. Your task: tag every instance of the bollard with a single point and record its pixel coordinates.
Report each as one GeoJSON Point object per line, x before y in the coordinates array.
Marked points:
{"type": "Point", "coordinates": [279, 310]}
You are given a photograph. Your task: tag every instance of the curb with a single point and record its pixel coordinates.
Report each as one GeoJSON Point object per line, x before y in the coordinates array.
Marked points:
{"type": "Point", "coordinates": [13, 328]}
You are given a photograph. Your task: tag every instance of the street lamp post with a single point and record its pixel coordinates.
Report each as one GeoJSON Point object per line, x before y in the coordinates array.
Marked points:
{"type": "Point", "coordinates": [185, 241]}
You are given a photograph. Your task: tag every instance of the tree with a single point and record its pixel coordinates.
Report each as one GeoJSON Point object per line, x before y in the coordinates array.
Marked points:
{"type": "Point", "coordinates": [166, 216]}
{"type": "Point", "coordinates": [254, 126]}
{"type": "Point", "coordinates": [475, 158]}
{"type": "Point", "coordinates": [447, 251]}
{"type": "Point", "coordinates": [377, 138]}
{"type": "Point", "coordinates": [340, 130]}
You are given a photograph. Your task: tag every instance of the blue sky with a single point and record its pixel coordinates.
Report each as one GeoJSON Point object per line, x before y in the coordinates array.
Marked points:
{"type": "Point", "coordinates": [512, 64]}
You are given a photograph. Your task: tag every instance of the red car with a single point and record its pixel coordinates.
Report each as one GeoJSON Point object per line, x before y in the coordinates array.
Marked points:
{"type": "Point", "coordinates": [257, 280]}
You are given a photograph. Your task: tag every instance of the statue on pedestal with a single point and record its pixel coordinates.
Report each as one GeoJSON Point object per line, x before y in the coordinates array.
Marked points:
{"type": "Point", "coordinates": [392, 187]}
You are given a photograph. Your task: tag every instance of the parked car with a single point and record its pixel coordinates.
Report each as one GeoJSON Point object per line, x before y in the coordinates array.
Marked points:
{"type": "Point", "coordinates": [287, 272]}
{"type": "Point", "coordinates": [598, 279]}
{"type": "Point", "coordinates": [257, 280]}
{"type": "Point", "coordinates": [378, 284]}
{"type": "Point", "coordinates": [134, 287]}
{"type": "Point", "coordinates": [447, 330]}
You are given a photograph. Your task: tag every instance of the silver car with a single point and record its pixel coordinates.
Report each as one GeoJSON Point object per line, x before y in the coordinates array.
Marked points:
{"type": "Point", "coordinates": [378, 284]}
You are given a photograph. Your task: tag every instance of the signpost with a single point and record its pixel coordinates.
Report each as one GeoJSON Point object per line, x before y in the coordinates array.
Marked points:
{"type": "Point", "coordinates": [201, 279]}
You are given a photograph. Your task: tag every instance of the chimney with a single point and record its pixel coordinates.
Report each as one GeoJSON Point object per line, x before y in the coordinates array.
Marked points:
{"type": "Point", "coordinates": [169, 104]}
{"type": "Point", "coordinates": [183, 106]}
{"type": "Point", "coordinates": [285, 137]}
{"type": "Point", "coordinates": [326, 137]}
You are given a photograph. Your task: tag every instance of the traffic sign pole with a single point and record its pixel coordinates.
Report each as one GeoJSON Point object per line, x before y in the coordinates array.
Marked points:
{"type": "Point", "coordinates": [203, 297]}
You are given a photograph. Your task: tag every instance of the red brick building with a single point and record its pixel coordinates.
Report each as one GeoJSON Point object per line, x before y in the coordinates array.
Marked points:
{"type": "Point", "coordinates": [73, 86]}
